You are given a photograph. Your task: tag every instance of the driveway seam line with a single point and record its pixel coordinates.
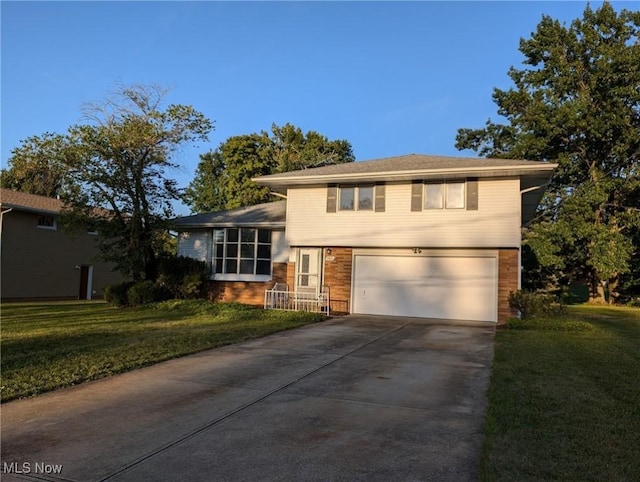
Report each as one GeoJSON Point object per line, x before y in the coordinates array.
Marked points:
{"type": "Point", "coordinates": [217, 421]}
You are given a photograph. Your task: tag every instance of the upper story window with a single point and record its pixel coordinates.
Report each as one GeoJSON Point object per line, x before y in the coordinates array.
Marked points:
{"type": "Point", "coordinates": [47, 222]}
{"type": "Point", "coordinates": [448, 195]}
{"type": "Point", "coordinates": [444, 195]}
{"type": "Point", "coordinates": [356, 198]}
{"type": "Point", "coordinates": [242, 251]}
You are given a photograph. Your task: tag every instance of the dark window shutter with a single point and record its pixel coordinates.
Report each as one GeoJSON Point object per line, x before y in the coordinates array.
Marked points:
{"type": "Point", "coordinates": [380, 199]}
{"type": "Point", "coordinates": [416, 196]}
{"type": "Point", "coordinates": [472, 195]}
{"type": "Point", "coordinates": [332, 198]}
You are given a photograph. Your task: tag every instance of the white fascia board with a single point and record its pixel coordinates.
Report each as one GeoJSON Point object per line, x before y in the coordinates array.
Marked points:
{"type": "Point", "coordinates": [390, 176]}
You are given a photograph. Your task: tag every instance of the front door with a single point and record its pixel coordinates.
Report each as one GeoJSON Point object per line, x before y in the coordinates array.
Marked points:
{"type": "Point", "coordinates": [308, 275]}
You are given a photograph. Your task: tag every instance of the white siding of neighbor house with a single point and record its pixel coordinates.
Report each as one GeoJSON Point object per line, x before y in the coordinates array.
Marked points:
{"type": "Point", "coordinates": [196, 244]}
{"type": "Point", "coordinates": [496, 223]}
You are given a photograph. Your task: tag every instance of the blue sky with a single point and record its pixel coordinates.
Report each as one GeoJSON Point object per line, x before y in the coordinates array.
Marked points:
{"type": "Point", "coordinates": [390, 77]}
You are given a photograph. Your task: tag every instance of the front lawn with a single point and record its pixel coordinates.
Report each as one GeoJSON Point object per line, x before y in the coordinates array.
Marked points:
{"type": "Point", "coordinates": [51, 345]}
{"type": "Point", "coordinates": [564, 400]}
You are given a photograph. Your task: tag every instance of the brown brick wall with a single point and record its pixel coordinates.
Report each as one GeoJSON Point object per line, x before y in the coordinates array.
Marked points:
{"type": "Point", "coordinates": [249, 292]}
{"type": "Point", "coordinates": [507, 282]}
{"type": "Point", "coordinates": [337, 275]}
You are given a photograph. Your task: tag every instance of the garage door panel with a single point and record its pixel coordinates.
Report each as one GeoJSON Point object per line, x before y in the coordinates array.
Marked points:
{"type": "Point", "coordinates": [447, 287]}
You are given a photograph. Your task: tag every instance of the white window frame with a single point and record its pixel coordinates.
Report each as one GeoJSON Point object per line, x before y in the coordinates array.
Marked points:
{"type": "Point", "coordinates": [356, 197]}
{"type": "Point", "coordinates": [444, 201]}
{"type": "Point", "coordinates": [237, 276]}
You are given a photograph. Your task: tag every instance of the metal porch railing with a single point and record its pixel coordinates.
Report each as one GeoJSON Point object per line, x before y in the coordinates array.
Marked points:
{"type": "Point", "coordinates": [280, 298]}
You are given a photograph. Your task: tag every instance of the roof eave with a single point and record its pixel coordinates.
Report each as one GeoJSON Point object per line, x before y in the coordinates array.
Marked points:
{"type": "Point", "coordinates": [396, 176]}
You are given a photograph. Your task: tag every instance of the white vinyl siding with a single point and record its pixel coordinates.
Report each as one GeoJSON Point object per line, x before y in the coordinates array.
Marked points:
{"type": "Point", "coordinates": [496, 222]}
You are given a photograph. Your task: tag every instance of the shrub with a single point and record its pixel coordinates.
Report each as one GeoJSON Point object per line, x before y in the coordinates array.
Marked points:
{"type": "Point", "coordinates": [184, 277]}
{"type": "Point", "coordinates": [117, 294]}
{"type": "Point", "coordinates": [534, 305]}
{"type": "Point", "coordinates": [145, 292]}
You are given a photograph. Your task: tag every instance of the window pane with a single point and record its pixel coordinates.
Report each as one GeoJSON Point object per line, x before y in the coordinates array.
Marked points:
{"type": "Point", "coordinates": [455, 195]}
{"type": "Point", "coordinates": [264, 251]}
{"type": "Point", "coordinates": [433, 196]}
{"type": "Point", "coordinates": [219, 250]}
{"type": "Point", "coordinates": [218, 235]}
{"type": "Point", "coordinates": [365, 198]}
{"type": "Point", "coordinates": [346, 198]}
{"type": "Point", "coordinates": [232, 235]}
{"type": "Point", "coordinates": [246, 266]}
{"type": "Point", "coordinates": [263, 267]}
{"type": "Point", "coordinates": [248, 235]}
{"type": "Point", "coordinates": [218, 266]}
{"type": "Point", "coordinates": [247, 250]}
{"type": "Point", "coordinates": [264, 236]}
{"type": "Point", "coordinates": [231, 266]}
{"type": "Point", "coordinates": [232, 250]}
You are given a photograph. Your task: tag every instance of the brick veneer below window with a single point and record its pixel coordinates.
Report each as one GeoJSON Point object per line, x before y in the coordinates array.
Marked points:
{"type": "Point", "coordinates": [507, 282]}
{"type": "Point", "coordinates": [249, 292]}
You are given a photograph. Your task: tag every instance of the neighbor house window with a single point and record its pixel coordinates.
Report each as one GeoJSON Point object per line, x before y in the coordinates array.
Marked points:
{"type": "Point", "coordinates": [243, 251]}
{"type": "Point", "coordinates": [449, 195]}
{"type": "Point", "coordinates": [47, 222]}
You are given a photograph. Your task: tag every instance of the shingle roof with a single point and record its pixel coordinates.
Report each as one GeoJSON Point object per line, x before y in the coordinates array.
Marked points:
{"type": "Point", "coordinates": [21, 201]}
{"type": "Point", "coordinates": [267, 214]}
{"type": "Point", "coordinates": [405, 168]}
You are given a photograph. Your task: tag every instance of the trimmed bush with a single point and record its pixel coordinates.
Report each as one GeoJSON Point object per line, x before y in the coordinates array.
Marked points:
{"type": "Point", "coordinates": [535, 305]}
{"type": "Point", "coordinates": [184, 277]}
{"type": "Point", "coordinates": [117, 294]}
{"type": "Point", "coordinates": [145, 292]}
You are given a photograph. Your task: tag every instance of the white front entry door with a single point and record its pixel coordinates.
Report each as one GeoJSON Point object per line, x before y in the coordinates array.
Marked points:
{"type": "Point", "coordinates": [447, 286]}
{"type": "Point", "coordinates": [308, 273]}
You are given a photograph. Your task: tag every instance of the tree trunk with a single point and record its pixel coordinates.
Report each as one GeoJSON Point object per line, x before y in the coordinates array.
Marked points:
{"type": "Point", "coordinates": [613, 285]}
{"type": "Point", "coordinates": [596, 290]}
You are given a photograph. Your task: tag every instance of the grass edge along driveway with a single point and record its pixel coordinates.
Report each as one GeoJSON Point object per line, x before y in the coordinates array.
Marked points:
{"type": "Point", "coordinates": [50, 345]}
{"type": "Point", "coordinates": [564, 398]}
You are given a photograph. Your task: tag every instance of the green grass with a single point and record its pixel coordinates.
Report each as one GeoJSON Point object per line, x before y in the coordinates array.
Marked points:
{"type": "Point", "coordinates": [51, 345]}
{"type": "Point", "coordinates": [564, 400]}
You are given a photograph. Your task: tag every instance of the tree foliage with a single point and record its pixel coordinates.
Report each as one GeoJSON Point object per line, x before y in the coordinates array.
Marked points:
{"type": "Point", "coordinates": [577, 102]}
{"type": "Point", "coordinates": [113, 172]}
{"type": "Point", "coordinates": [223, 177]}
{"type": "Point", "coordinates": [122, 159]}
{"type": "Point", "coordinates": [37, 167]}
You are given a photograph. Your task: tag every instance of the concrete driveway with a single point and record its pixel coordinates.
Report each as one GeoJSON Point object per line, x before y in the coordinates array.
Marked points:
{"type": "Point", "coordinates": [352, 398]}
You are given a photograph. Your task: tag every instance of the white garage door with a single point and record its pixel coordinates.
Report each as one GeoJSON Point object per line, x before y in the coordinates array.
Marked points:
{"type": "Point", "coordinates": [449, 287]}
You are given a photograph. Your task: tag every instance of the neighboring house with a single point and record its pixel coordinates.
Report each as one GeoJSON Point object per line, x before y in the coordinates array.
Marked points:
{"type": "Point", "coordinates": [415, 235]}
{"type": "Point", "coordinates": [40, 261]}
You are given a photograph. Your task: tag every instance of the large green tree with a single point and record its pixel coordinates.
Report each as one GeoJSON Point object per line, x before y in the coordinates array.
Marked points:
{"type": "Point", "coordinates": [223, 176]}
{"type": "Point", "coordinates": [576, 102]}
{"type": "Point", "coordinates": [114, 172]}
{"type": "Point", "coordinates": [37, 167]}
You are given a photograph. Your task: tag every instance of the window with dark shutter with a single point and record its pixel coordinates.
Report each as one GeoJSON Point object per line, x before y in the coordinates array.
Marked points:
{"type": "Point", "coordinates": [332, 199]}
{"type": "Point", "coordinates": [416, 196]}
{"type": "Point", "coordinates": [380, 198]}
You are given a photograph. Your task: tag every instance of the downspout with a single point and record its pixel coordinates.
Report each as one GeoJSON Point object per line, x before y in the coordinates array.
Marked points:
{"type": "Point", "coordinates": [2, 213]}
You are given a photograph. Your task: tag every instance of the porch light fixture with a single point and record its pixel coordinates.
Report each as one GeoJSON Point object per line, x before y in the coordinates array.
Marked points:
{"type": "Point", "coordinates": [328, 250]}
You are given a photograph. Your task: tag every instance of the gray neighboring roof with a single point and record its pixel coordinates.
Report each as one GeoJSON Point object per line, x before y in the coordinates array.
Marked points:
{"type": "Point", "coordinates": [406, 168]}
{"type": "Point", "coordinates": [261, 215]}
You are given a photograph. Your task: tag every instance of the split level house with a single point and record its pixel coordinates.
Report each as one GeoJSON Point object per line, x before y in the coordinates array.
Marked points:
{"type": "Point", "coordinates": [39, 261]}
{"type": "Point", "coordinates": [414, 235]}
